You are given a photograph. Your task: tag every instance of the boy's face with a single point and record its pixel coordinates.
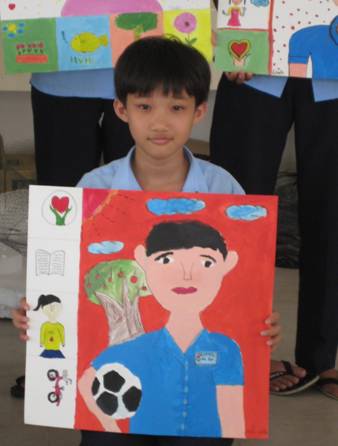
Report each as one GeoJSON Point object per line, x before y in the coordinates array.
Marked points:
{"type": "Point", "coordinates": [185, 280]}
{"type": "Point", "coordinates": [159, 124]}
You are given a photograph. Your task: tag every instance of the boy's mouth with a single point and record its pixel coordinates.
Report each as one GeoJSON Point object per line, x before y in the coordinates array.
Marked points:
{"type": "Point", "coordinates": [183, 290]}
{"type": "Point", "coordinates": [160, 140]}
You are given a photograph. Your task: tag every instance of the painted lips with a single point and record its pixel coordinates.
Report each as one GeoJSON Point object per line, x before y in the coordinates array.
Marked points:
{"type": "Point", "coordinates": [182, 290]}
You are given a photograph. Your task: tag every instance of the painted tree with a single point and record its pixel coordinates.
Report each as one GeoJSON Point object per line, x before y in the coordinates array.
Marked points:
{"type": "Point", "coordinates": [139, 22]}
{"type": "Point", "coordinates": [117, 285]}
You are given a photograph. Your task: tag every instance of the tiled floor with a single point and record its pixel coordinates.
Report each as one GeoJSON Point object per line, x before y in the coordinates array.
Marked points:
{"type": "Point", "coordinates": [309, 419]}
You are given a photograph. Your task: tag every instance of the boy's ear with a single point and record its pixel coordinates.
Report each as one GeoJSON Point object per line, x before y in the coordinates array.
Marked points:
{"type": "Point", "coordinates": [200, 112]}
{"type": "Point", "coordinates": [140, 256]}
{"type": "Point", "coordinates": [230, 261]}
{"type": "Point", "coordinates": [120, 110]}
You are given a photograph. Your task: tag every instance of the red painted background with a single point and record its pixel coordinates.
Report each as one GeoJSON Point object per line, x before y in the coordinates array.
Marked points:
{"type": "Point", "coordinates": [238, 311]}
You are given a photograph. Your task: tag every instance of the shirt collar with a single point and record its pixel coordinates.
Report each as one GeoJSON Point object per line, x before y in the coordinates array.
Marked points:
{"type": "Point", "coordinates": [126, 180]}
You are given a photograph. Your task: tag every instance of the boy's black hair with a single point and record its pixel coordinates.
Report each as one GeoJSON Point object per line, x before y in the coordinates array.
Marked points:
{"type": "Point", "coordinates": [159, 62]}
{"type": "Point", "coordinates": [46, 299]}
{"type": "Point", "coordinates": [168, 236]}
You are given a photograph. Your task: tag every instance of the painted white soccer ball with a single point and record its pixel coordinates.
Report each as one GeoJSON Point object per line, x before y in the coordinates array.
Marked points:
{"type": "Point", "coordinates": [117, 391]}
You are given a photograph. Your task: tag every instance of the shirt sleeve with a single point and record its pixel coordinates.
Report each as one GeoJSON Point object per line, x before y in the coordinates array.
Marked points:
{"type": "Point", "coordinates": [229, 369]}
{"type": "Point", "coordinates": [300, 46]}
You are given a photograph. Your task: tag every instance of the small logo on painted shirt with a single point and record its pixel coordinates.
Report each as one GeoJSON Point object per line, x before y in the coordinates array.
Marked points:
{"type": "Point", "coordinates": [206, 358]}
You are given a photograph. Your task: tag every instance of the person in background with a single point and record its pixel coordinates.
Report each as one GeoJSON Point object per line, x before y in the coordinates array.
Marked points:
{"type": "Point", "coordinates": [251, 121]}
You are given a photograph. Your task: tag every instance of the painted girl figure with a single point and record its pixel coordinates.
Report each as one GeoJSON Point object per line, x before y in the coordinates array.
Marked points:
{"type": "Point", "coordinates": [52, 332]}
{"type": "Point", "coordinates": [235, 10]}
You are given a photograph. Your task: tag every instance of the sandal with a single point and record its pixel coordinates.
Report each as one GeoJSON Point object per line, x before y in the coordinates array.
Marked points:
{"type": "Point", "coordinates": [304, 383]}
{"type": "Point", "coordinates": [18, 390]}
{"type": "Point", "coordinates": [322, 382]}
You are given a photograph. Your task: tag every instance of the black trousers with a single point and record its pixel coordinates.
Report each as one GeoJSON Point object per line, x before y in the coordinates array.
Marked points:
{"type": "Point", "coordinates": [72, 134]}
{"type": "Point", "coordinates": [248, 137]}
{"type": "Point", "coordinates": [107, 439]}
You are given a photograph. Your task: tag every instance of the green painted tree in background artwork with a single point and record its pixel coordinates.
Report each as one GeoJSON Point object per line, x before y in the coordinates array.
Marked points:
{"type": "Point", "coordinates": [117, 285]}
{"type": "Point", "coordinates": [139, 23]}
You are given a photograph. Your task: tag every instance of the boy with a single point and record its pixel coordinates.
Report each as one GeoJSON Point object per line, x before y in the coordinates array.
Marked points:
{"type": "Point", "coordinates": [162, 87]}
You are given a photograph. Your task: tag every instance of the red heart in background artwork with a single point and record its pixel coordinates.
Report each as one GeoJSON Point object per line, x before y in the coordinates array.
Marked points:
{"type": "Point", "coordinates": [12, 6]}
{"type": "Point", "coordinates": [239, 48]}
{"type": "Point", "coordinates": [60, 204]}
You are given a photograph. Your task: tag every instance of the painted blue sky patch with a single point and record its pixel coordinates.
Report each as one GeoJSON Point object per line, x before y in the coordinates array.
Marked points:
{"type": "Point", "coordinates": [173, 206]}
{"type": "Point", "coordinates": [83, 42]}
{"type": "Point", "coordinates": [246, 212]}
{"type": "Point", "coordinates": [105, 247]}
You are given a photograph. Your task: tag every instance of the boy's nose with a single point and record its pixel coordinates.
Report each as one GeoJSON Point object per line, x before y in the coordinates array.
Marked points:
{"type": "Point", "coordinates": [159, 122]}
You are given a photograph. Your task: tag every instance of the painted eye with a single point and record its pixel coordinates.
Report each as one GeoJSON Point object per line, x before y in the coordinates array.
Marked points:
{"type": "Point", "coordinates": [208, 263]}
{"type": "Point", "coordinates": [165, 260]}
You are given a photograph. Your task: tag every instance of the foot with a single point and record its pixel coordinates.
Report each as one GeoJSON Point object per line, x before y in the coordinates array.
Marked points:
{"type": "Point", "coordinates": [329, 389]}
{"type": "Point", "coordinates": [284, 382]}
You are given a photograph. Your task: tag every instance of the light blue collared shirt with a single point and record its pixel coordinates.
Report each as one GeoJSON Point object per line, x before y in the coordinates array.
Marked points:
{"type": "Point", "coordinates": [274, 85]}
{"type": "Point", "coordinates": [202, 177]}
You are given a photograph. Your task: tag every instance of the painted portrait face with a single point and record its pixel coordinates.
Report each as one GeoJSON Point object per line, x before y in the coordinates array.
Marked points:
{"type": "Point", "coordinates": [52, 311]}
{"type": "Point", "coordinates": [185, 280]}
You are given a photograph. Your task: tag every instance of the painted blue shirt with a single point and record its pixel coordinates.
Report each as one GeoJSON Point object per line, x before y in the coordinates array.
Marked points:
{"type": "Point", "coordinates": [81, 84]}
{"type": "Point", "coordinates": [202, 177]}
{"type": "Point", "coordinates": [320, 43]}
{"type": "Point", "coordinates": [178, 389]}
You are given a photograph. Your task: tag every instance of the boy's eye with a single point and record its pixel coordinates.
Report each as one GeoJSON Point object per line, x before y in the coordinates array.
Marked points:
{"type": "Point", "coordinates": [178, 107]}
{"type": "Point", "coordinates": [144, 107]}
{"type": "Point", "coordinates": [165, 260]}
{"type": "Point", "coordinates": [208, 263]}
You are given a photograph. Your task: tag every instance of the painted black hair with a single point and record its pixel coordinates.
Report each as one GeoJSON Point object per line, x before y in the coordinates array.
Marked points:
{"type": "Point", "coordinates": [159, 62]}
{"type": "Point", "coordinates": [168, 236]}
{"type": "Point", "coordinates": [46, 299]}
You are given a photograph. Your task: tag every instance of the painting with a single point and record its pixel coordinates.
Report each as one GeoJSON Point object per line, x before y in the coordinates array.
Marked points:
{"type": "Point", "coordinates": [298, 38]}
{"type": "Point", "coordinates": [63, 35]}
{"type": "Point", "coordinates": [153, 327]}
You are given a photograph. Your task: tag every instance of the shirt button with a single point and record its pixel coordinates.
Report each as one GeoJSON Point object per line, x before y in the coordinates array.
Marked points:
{"type": "Point", "coordinates": [186, 389]}
{"type": "Point", "coordinates": [185, 401]}
{"type": "Point", "coordinates": [185, 414]}
{"type": "Point", "coordinates": [186, 378]}
{"type": "Point", "coordinates": [182, 427]}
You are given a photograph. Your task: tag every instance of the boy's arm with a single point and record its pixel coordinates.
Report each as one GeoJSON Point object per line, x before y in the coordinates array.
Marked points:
{"type": "Point", "coordinates": [85, 386]}
{"type": "Point", "coordinates": [231, 411]}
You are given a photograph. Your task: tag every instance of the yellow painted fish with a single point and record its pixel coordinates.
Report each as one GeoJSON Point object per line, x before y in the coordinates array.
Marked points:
{"type": "Point", "coordinates": [88, 42]}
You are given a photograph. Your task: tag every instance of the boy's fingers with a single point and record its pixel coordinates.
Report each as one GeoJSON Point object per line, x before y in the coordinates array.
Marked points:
{"type": "Point", "coordinates": [23, 336]}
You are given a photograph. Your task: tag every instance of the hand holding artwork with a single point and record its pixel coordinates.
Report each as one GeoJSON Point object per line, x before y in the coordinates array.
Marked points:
{"type": "Point", "coordinates": [238, 76]}
{"type": "Point", "coordinates": [20, 319]}
{"type": "Point", "coordinates": [273, 331]}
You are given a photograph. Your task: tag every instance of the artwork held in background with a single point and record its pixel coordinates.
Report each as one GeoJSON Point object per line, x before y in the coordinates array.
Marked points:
{"type": "Point", "coordinates": [162, 285]}
{"type": "Point", "coordinates": [61, 35]}
{"type": "Point", "coordinates": [283, 38]}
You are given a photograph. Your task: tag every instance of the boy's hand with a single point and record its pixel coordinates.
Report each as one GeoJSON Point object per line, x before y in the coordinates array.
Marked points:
{"type": "Point", "coordinates": [20, 320]}
{"type": "Point", "coordinates": [238, 76]}
{"type": "Point", "coordinates": [273, 331]}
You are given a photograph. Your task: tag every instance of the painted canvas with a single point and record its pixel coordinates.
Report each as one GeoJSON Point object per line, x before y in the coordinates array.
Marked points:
{"type": "Point", "coordinates": [61, 35]}
{"type": "Point", "coordinates": [296, 38]}
{"type": "Point", "coordinates": [146, 311]}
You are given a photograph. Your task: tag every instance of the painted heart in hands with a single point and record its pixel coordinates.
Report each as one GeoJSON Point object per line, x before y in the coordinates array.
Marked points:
{"type": "Point", "coordinates": [60, 204]}
{"type": "Point", "coordinates": [239, 48]}
{"type": "Point", "coordinates": [12, 6]}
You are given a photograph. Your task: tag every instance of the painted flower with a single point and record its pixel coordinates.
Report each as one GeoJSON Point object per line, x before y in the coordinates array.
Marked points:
{"type": "Point", "coordinates": [185, 23]}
